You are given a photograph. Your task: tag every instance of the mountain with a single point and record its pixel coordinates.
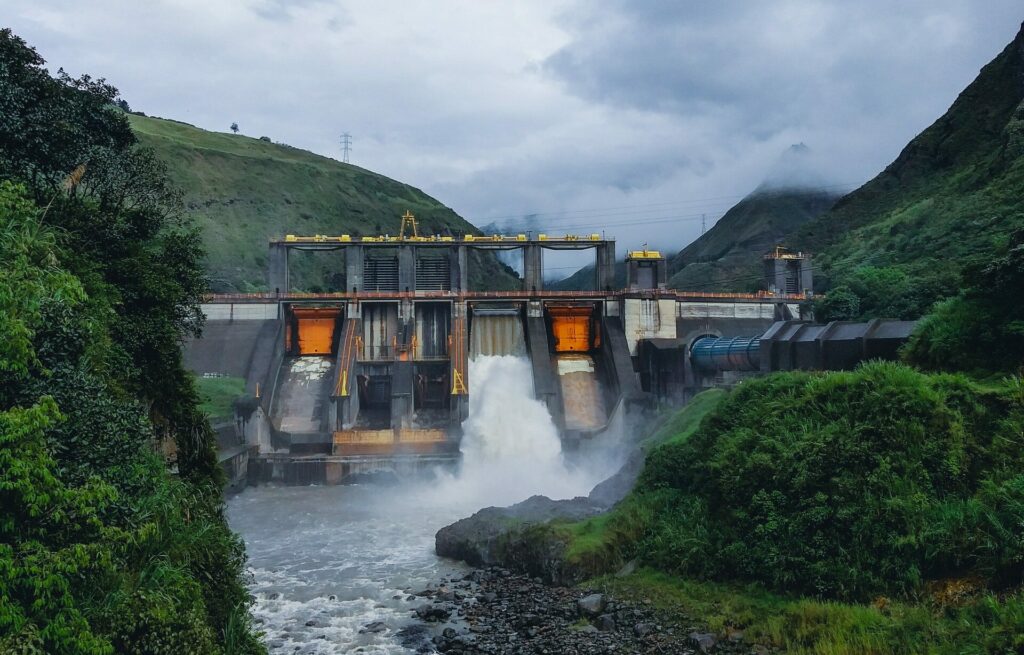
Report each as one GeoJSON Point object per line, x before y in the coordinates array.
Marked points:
{"type": "Point", "coordinates": [583, 279]}
{"type": "Point", "coordinates": [241, 191]}
{"type": "Point", "coordinates": [728, 256]}
{"type": "Point", "coordinates": [952, 195]}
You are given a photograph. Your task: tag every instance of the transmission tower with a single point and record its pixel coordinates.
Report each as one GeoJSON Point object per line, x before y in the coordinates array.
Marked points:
{"type": "Point", "coordinates": [346, 146]}
{"type": "Point", "coordinates": [703, 222]}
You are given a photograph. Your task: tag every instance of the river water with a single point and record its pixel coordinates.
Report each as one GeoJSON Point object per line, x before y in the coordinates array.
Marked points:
{"type": "Point", "coordinates": [327, 561]}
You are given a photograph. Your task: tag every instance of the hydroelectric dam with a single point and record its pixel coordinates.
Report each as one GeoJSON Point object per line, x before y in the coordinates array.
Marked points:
{"type": "Point", "coordinates": [377, 377]}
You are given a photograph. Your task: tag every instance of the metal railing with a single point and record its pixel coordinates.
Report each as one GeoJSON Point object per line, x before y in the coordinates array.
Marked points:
{"type": "Point", "coordinates": [522, 295]}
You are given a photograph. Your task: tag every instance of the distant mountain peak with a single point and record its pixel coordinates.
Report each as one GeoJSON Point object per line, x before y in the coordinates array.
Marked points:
{"type": "Point", "coordinates": [798, 167]}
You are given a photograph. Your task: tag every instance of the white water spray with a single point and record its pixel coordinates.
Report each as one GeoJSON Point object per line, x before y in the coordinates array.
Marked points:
{"type": "Point", "coordinates": [510, 446]}
{"type": "Point", "coordinates": [346, 556]}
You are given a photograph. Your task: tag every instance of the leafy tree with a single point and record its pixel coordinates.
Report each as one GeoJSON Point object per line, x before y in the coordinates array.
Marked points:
{"type": "Point", "coordinates": [839, 304]}
{"type": "Point", "coordinates": [234, 128]}
{"type": "Point", "coordinates": [101, 550]}
{"type": "Point", "coordinates": [50, 127]}
{"type": "Point", "coordinates": [982, 328]}
{"type": "Point", "coordinates": [883, 292]}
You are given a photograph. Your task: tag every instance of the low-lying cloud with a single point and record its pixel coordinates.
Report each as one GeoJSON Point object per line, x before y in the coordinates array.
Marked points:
{"type": "Point", "coordinates": [635, 118]}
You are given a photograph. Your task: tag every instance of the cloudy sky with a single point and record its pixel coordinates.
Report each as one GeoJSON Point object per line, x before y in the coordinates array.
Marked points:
{"type": "Point", "coordinates": [632, 118]}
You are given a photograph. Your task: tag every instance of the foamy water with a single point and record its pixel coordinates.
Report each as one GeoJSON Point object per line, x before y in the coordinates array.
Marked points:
{"type": "Point", "coordinates": [342, 557]}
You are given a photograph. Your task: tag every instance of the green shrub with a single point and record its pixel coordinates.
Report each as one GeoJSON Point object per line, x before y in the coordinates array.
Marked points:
{"type": "Point", "coordinates": [843, 484]}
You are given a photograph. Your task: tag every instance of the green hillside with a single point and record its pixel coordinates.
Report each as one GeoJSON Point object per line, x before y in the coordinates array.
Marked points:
{"type": "Point", "coordinates": [952, 195]}
{"type": "Point", "coordinates": [728, 256]}
{"type": "Point", "coordinates": [242, 191]}
{"type": "Point", "coordinates": [583, 279]}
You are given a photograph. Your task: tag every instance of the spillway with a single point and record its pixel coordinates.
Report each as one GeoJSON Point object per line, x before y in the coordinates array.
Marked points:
{"type": "Point", "coordinates": [581, 392]}
{"type": "Point", "coordinates": [497, 332]}
{"type": "Point", "coordinates": [299, 404]}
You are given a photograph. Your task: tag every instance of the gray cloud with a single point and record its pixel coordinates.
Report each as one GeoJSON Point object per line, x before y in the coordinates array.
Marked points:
{"type": "Point", "coordinates": [630, 117]}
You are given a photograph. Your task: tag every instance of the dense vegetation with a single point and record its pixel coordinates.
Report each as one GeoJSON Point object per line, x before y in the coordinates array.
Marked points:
{"type": "Point", "coordinates": [846, 485]}
{"type": "Point", "coordinates": [981, 328]}
{"type": "Point", "coordinates": [242, 191]}
{"type": "Point", "coordinates": [879, 510]}
{"type": "Point", "coordinates": [799, 490]}
{"type": "Point", "coordinates": [102, 548]}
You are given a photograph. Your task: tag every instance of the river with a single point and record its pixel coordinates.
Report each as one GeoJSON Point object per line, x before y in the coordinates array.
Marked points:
{"type": "Point", "coordinates": [327, 561]}
{"type": "Point", "coordinates": [339, 557]}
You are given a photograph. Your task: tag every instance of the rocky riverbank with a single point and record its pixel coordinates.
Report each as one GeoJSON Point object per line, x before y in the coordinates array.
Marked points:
{"type": "Point", "coordinates": [494, 610]}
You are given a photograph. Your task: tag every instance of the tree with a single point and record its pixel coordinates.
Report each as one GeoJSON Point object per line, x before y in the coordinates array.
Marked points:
{"type": "Point", "coordinates": [104, 553]}
{"type": "Point", "coordinates": [234, 128]}
{"type": "Point", "coordinates": [982, 328]}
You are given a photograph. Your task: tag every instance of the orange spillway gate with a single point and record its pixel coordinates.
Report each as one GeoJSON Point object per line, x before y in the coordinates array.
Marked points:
{"type": "Point", "coordinates": [315, 328]}
{"type": "Point", "coordinates": [571, 328]}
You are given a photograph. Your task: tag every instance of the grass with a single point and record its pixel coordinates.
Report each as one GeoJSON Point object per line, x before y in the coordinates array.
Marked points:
{"type": "Point", "coordinates": [218, 395]}
{"type": "Point", "coordinates": [242, 191]}
{"type": "Point", "coordinates": [802, 626]}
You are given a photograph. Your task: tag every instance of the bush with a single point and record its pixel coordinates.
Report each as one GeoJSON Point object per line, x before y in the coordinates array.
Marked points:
{"type": "Point", "coordinates": [844, 484]}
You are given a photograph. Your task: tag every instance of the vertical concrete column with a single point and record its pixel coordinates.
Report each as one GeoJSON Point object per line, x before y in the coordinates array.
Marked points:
{"type": "Point", "coordinates": [458, 356]}
{"type": "Point", "coordinates": [806, 275]}
{"type": "Point", "coordinates": [406, 268]}
{"type": "Point", "coordinates": [277, 274]}
{"type": "Point", "coordinates": [605, 266]}
{"type": "Point", "coordinates": [401, 394]}
{"type": "Point", "coordinates": [775, 274]}
{"type": "Point", "coordinates": [458, 265]}
{"type": "Point", "coordinates": [632, 274]}
{"type": "Point", "coordinates": [533, 267]}
{"type": "Point", "coordinates": [354, 268]}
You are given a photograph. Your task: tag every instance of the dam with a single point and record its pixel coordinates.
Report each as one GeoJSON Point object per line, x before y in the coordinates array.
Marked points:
{"type": "Point", "coordinates": [376, 377]}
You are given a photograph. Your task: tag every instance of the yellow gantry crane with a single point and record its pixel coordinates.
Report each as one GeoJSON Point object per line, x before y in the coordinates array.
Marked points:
{"type": "Point", "coordinates": [408, 220]}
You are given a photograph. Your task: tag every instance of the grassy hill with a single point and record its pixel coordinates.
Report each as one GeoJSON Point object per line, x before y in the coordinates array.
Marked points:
{"type": "Point", "coordinates": [242, 191]}
{"type": "Point", "coordinates": [952, 195]}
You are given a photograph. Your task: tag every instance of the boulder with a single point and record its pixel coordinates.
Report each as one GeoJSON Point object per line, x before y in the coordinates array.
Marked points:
{"type": "Point", "coordinates": [705, 641]}
{"type": "Point", "coordinates": [373, 627]}
{"type": "Point", "coordinates": [591, 605]}
{"type": "Point", "coordinates": [432, 613]}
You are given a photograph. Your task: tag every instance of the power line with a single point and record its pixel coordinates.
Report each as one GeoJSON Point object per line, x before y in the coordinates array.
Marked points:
{"type": "Point", "coordinates": [346, 146]}
{"type": "Point", "coordinates": [680, 218]}
{"type": "Point", "coordinates": [533, 214]}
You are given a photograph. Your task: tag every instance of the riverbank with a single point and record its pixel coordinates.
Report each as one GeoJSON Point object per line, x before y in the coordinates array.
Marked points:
{"type": "Point", "coordinates": [874, 511]}
{"type": "Point", "coordinates": [494, 610]}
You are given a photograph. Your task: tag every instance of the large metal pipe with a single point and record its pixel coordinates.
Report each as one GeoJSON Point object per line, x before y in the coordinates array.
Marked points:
{"type": "Point", "coordinates": [727, 354]}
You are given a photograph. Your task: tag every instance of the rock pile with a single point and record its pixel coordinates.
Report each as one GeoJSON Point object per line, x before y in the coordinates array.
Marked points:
{"type": "Point", "coordinates": [495, 611]}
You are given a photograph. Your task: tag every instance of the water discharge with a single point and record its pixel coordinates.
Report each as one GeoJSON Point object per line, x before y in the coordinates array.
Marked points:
{"type": "Point", "coordinates": [326, 561]}
{"type": "Point", "coordinates": [510, 446]}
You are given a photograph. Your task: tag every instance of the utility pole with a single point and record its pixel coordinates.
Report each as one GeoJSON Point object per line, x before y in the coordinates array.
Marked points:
{"type": "Point", "coordinates": [346, 146]}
